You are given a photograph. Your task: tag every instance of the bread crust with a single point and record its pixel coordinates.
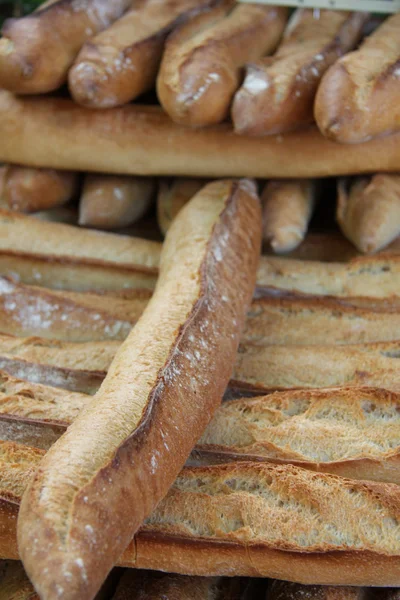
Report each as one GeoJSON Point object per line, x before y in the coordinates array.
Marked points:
{"type": "Point", "coordinates": [36, 51]}
{"type": "Point", "coordinates": [122, 62]}
{"type": "Point", "coordinates": [14, 584]}
{"type": "Point", "coordinates": [288, 206]}
{"type": "Point", "coordinates": [31, 190]}
{"type": "Point", "coordinates": [160, 544]}
{"type": "Point", "coordinates": [135, 451]}
{"type": "Point", "coordinates": [369, 213]}
{"type": "Point", "coordinates": [146, 142]}
{"type": "Point", "coordinates": [278, 93]}
{"type": "Point", "coordinates": [356, 100]}
{"type": "Point", "coordinates": [201, 66]}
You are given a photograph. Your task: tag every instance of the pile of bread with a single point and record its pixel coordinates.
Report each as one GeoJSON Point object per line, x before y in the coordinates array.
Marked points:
{"type": "Point", "coordinates": [171, 398]}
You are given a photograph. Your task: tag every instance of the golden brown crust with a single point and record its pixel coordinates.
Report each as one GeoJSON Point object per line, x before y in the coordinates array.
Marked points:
{"type": "Point", "coordinates": [200, 69]}
{"type": "Point", "coordinates": [356, 99]}
{"type": "Point", "coordinates": [278, 92]}
{"type": "Point", "coordinates": [36, 51]}
{"type": "Point", "coordinates": [31, 190]}
{"type": "Point", "coordinates": [146, 142]}
{"type": "Point", "coordinates": [114, 201]}
{"type": "Point", "coordinates": [302, 367]}
{"type": "Point", "coordinates": [119, 64]}
{"type": "Point", "coordinates": [369, 213]}
{"type": "Point", "coordinates": [127, 446]}
{"type": "Point", "coordinates": [287, 210]}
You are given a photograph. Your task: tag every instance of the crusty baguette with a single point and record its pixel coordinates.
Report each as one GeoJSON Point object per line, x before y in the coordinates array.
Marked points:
{"type": "Point", "coordinates": [36, 51]}
{"type": "Point", "coordinates": [249, 519]}
{"type": "Point", "coordinates": [356, 99]}
{"type": "Point", "coordinates": [69, 316]}
{"type": "Point", "coordinates": [295, 367]}
{"type": "Point", "coordinates": [285, 590]}
{"type": "Point", "coordinates": [278, 92]}
{"type": "Point", "coordinates": [31, 190]}
{"type": "Point", "coordinates": [146, 142]}
{"type": "Point", "coordinates": [172, 196]}
{"type": "Point", "coordinates": [352, 432]}
{"type": "Point", "coordinates": [201, 66]}
{"type": "Point", "coordinates": [114, 201]}
{"type": "Point", "coordinates": [369, 213]}
{"type": "Point", "coordinates": [14, 584]}
{"type": "Point", "coordinates": [370, 277]}
{"type": "Point", "coordinates": [122, 62]}
{"type": "Point", "coordinates": [135, 420]}
{"type": "Point", "coordinates": [89, 356]}
{"type": "Point", "coordinates": [150, 585]}
{"type": "Point", "coordinates": [288, 206]}
{"type": "Point", "coordinates": [297, 320]}
{"type": "Point", "coordinates": [66, 257]}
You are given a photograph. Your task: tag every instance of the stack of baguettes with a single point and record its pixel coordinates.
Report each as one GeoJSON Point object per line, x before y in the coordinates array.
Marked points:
{"type": "Point", "coordinates": [296, 475]}
{"type": "Point", "coordinates": [115, 351]}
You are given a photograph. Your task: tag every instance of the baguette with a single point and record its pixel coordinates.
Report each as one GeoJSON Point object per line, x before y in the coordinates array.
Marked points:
{"type": "Point", "coordinates": [66, 257]}
{"type": "Point", "coordinates": [296, 367]}
{"type": "Point", "coordinates": [369, 214]}
{"type": "Point", "coordinates": [146, 142]}
{"type": "Point", "coordinates": [36, 51]}
{"type": "Point", "coordinates": [352, 432]}
{"type": "Point", "coordinates": [128, 445]}
{"type": "Point", "coordinates": [296, 321]}
{"type": "Point", "coordinates": [201, 66]}
{"type": "Point", "coordinates": [112, 202]}
{"type": "Point", "coordinates": [250, 519]}
{"type": "Point", "coordinates": [122, 62]}
{"type": "Point", "coordinates": [14, 584]}
{"type": "Point", "coordinates": [356, 100]}
{"type": "Point", "coordinates": [72, 317]}
{"type": "Point", "coordinates": [31, 190]}
{"type": "Point", "coordinates": [278, 92]}
{"type": "Point", "coordinates": [368, 277]}
{"type": "Point", "coordinates": [285, 590]}
{"type": "Point", "coordinates": [172, 197]}
{"type": "Point", "coordinates": [287, 210]}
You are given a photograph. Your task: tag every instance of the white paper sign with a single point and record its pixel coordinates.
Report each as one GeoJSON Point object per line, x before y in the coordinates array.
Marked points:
{"type": "Point", "coordinates": [375, 6]}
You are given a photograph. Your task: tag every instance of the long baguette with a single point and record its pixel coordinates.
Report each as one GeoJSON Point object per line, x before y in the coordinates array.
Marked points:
{"type": "Point", "coordinates": [278, 92]}
{"type": "Point", "coordinates": [129, 444]}
{"type": "Point", "coordinates": [249, 519]}
{"type": "Point", "coordinates": [296, 367]}
{"type": "Point", "coordinates": [297, 320]}
{"type": "Point", "coordinates": [112, 202]}
{"type": "Point", "coordinates": [66, 257]}
{"type": "Point", "coordinates": [72, 317]}
{"type": "Point", "coordinates": [352, 432]}
{"type": "Point", "coordinates": [146, 142]}
{"type": "Point", "coordinates": [119, 64]}
{"type": "Point", "coordinates": [356, 99]}
{"type": "Point", "coordinates": [32, 190]}
{"type": "Point", "coordinates": [36, 51]}
{"type": "Point", "coordinates": [201, 66]}
{"type": "Point", "coordinates": [370, 277]}
{"type": "Point", "coordinates": [287, 210]}
{"type": "Point", "coordinates": [369, 213]}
